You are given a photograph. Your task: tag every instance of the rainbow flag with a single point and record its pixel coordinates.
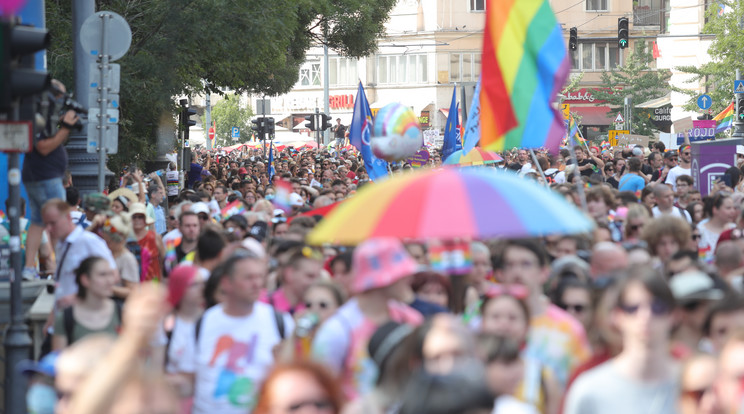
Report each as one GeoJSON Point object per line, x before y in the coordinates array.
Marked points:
{"type": "Point", "coordinates": [524, 64]}
{"type": "Point", "coordinates": [725, 118]}
{"type": "Point", "coordinates": [236, 207]}
{"type": "Point", "coordinates": [281, 198]}
{"type": "Point", "coordinates": [573, 130]}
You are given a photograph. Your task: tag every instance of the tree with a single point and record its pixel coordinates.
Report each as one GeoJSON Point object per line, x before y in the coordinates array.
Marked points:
{"type": "Point", "coordinates": [717, 76]}
{"type": "Point", "coordinates": [193, 46]}
{"type": "Point", "coordinates": [637, 80]}
{"type": "Point", "coordinates": [227, 114]}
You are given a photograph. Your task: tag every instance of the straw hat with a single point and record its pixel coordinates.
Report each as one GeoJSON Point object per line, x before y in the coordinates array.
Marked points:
{"type": "Point", "coordinates": [123, 192]}
{"type": "Point", "coordinates": [139, 208]}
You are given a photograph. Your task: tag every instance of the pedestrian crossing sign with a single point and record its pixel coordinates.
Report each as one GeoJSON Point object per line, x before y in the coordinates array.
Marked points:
{"type": "Point", "coordinates": [739, 86]}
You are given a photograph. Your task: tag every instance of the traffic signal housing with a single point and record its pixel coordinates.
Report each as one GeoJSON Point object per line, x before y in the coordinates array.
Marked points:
{"type": "Point", "coordinates": [258, 127]}
{"type": "Point", "coordinates": [18, 77]}
{"type": "Point", "coordinates": [270, 126]}
{"type": "Point", "coordinates": [573, 39]}
{"type": "Point", "coordinates": [739, 108]}
{"type": "Point", "coordinates": [325, 122]}
{"type": "Point", "coordinates": [622, 32]}
{"type": "Point", "coordinates": [186, 122]}
{"type": "Point", "coordinates": [311, 125]}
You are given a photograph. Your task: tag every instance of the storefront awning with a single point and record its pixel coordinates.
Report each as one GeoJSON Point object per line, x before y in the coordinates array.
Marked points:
{"type": "Point", "coordinates": [593, 115]}
{"type": "Point", "coordinates": [657, 103]}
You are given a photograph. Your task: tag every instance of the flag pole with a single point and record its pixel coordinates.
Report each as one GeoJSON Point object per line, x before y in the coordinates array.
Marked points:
{"type": "Point", "coordinates": [539, 168]}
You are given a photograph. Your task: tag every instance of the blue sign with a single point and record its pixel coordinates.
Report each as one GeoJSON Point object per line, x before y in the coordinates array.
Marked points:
{"type": "Point", "coordinates": [739, 86]}
{"type": "Point", "coordinates": [697, 134]}
{"type": "Point", "coordinates": [704, 101]}
{"type": "Point", "coordinates": [235, 132]}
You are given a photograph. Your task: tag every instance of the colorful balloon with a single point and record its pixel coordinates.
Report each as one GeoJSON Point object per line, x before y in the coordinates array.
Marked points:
{"type": "Point", "coordinates": [396, 134]}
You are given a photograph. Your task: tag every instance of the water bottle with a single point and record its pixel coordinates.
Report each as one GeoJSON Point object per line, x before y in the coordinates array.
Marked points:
{"type": "Point", "coordinates": [306, 325]}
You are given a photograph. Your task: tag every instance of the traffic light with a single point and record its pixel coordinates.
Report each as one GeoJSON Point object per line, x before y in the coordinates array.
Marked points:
{"type": "Point", "coordinates": [325, 122]}
{"type": "Point", "coordinates": [18, 77]}
{"type": "Point", "coordinates": [573, 39]}
{"type": "Point", "coordinates": [739, 108]}
{"type": "Point", "coordinates": [257, 126]}
{"type": "Point", "coordinates": [270, 127]}
{"type": "Point", "coordinates": [186, 122]}
{"type": "Point", "coordinates": [310, 125]}
{"type": "Point", "coordinates": [622, 32]}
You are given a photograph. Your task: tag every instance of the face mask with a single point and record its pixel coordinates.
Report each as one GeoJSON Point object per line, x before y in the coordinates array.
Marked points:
{"type": "Point", "coordinates": [41, 398]}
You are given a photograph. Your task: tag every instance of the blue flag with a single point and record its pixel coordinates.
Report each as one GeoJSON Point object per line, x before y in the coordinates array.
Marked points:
{"type": "Point", "coordinates": [452, 140]}
{"type": "Point", "coordinates": [472, 127]}
{"type": "Point", "coordinates": [271, 163]}
{"type": "Point", "coordinates": [359, 134]}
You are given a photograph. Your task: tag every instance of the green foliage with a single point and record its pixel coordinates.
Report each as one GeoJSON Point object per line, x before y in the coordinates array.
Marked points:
{"type": "Point", "coordinates": [718, 75]}
{"type": "Point", "coordinates": [187, 47]}
{"type": "Point", "coordinates": [227, 113]}
{"type": "Point", "coordinates": [636, 79]}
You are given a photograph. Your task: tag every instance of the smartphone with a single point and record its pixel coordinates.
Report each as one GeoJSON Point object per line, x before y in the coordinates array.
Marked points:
{"type": "Point", "coordinates": [727, 180]}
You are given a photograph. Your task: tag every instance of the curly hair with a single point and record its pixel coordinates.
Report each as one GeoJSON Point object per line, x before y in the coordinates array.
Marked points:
{"type": "Point", "coordinates": [662, 226]}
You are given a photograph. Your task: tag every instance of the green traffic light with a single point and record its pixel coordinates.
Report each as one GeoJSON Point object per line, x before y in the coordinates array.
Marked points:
{"type": "Point", "coordinates": [623, 42]}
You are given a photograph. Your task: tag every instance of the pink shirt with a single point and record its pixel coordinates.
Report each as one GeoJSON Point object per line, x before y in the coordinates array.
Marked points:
{"type": "Point", "coordinates": [280, 302]}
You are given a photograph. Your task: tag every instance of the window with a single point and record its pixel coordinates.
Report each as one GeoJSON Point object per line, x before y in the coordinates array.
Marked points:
{"type": "Point", "coordinates": [596, 5]}
{"type": "Point", "coordinates": [310, 75]}
{"type": "Point", "coordinates": [477, 5]}
{"type": "Point", "coordinates": [465, 67]}
{"type": "Point", "coordinates": [342, 71]}
{"type": "Point", "coordinates": [403, 69]}
{"type": "Point", "coordinates": [596, 57]}
{"type": "Point", "coordinates": [647, 12]}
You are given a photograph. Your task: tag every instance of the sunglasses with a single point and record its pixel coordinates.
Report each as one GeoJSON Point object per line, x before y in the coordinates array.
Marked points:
{"type": "Point", "coordinates": [685, 153]}
{"type": "Point", "coordinates": [203, 217]}
{"type": "Point", "coordinates": [691, 306]}
{"type": "Point", "coordinates": [576, 308]}
{"type": "Point", "coordinates": [321, 305]}
{"type": "Point", "coordinates": [317, 404]}
{"type": "Point", "coordinates": [172, 217]}
{"type": "Point", "coordinates": [696, 237]}
{"type": "Point", "coordinates": [658, 308]}
{"type": "Point", "coordinates": [636, 227]}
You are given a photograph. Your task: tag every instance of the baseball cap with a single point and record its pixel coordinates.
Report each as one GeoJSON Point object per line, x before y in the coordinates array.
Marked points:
{"type": "Point", "coordinates": [97, 202]}
{"type": "Point", "coordinates": [295, 200]}
{"type": "Point", "coordinates": [670, 154]}
{"type": "Point", "coordinates": [379, 263]}
{"type": "Point", "coordinates": [200, 207]}
{"type": "Point", "coordinates": [45, 366]}
{"type": "Point", "coordinates": [179, 281]}
{"type": "Point", "coordinates": [694, 285]}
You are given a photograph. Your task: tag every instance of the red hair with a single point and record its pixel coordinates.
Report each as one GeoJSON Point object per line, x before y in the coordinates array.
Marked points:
{"type": "Point", "coordinates": [319, 373]}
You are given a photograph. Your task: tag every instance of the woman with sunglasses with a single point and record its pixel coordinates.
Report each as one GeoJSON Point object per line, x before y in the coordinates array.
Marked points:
{"type": "Point", "coordinates": [504, 312]}
{"type": "Point", "coordinates": [643, 378]}
{"type": "Point", "coordinates": [722, 213]}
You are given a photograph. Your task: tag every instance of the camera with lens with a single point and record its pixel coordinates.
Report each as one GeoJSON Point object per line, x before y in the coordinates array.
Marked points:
{"type": "Point", "coordinates": [69, 104]}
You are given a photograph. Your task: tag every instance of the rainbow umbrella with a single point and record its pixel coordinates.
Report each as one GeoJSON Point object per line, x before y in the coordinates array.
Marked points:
{"type": "Point", "coordinates": [449, 203]}
{"type": "Point", "coordinates": [476, 156]}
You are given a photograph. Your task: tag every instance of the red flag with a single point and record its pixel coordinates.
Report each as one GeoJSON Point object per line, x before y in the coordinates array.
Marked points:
{"type": "Point", "coordinates": [656, 52]}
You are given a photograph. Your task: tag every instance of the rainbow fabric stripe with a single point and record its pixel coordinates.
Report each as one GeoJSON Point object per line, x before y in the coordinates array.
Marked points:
{"type": "Point", "coordinates": [236, 207]}
{"type": "Point", "coordinates": [281, 200]}
{"type": "Point", "coordinates": [525, 64]}
{"type": "Point", "coordinates": [573, 130]}
{"type": "Point", "coordinates": [725, 118]}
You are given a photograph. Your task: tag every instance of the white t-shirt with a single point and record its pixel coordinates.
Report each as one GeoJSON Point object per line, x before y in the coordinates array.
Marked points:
{"type": "Point", "coordinates": [181, 349]}
{"type": "Point", "coordinates": [171, 236]}
{"type": "Point", "coordinates": [129, 269]}
{"type": "Point", "coordinates": [674, 173]}
{"type": "Point", "coordinates": [676, 212]}
{"type": "Point", "coordinates": [506, 404]}
{"type": "Point", "coordinates": [232, 357]}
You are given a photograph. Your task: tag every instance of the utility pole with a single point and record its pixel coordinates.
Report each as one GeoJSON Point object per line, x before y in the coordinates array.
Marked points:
{"type": "Point", "coordinates": [629, 114]}
{"type": "Point", "coordinates": [326, 83]}
{"type": "Point", "coordinates": [739, 113]}
{"type": "Point", "coordinates": [317, 123]}
{"type": "Point", "coordinates": [208, 119]}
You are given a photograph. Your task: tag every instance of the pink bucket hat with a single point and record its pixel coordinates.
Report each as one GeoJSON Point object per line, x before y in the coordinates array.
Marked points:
{"type": "Point", "coordinates": [379, 263]}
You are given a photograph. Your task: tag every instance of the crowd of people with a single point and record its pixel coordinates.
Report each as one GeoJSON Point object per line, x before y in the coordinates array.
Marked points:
{"type": "Point", "coordinates": [207, 299]}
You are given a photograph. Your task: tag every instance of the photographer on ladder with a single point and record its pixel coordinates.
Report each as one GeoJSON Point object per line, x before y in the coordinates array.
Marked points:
{"type": "Point", "coordinates": [45, 166]}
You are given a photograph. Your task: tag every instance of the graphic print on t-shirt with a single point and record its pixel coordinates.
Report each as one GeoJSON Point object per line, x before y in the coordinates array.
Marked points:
{"type": "Point", "coordinates": [231, 383]}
